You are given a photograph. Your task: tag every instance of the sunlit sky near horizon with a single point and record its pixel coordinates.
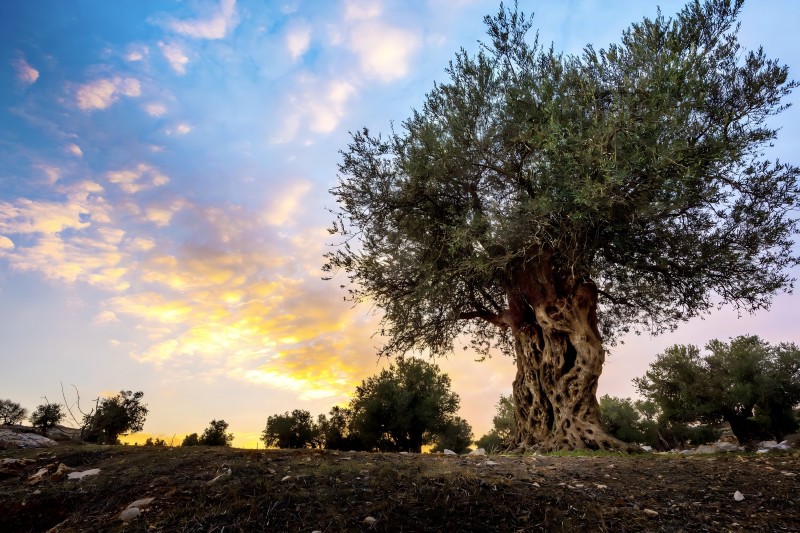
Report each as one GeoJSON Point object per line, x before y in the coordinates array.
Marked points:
{"type": "Point", "coordinates": [164, 177]}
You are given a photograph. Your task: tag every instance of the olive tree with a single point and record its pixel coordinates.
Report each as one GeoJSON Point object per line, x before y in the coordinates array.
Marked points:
{"type": "Point", "coordinates": [546, 203]}
{"type": "Point", "coordinates": [404, 407]}
{"type": "Point", "coordinates": [752, 385]}
{"type": "Point", "coordinates": [114, 416]}
{"type": "Point", "coordinates": [11, 412]}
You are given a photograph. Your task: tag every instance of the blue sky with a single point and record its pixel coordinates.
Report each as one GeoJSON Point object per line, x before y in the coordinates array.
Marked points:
{"type": "Point", "coordinates": [164, 176]}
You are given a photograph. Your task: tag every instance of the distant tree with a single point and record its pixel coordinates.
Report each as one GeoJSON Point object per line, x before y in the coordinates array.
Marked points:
{"type": "Point", "coordinates": [503, 426]}
{"type": "Point", "coordinates": [748, 383]}
{"type": "Point", "coordinates": [119, 415]}
{"type": "Point", "coordinates": [47, 416]}
{"type": "Point", "coordinates": [456, 436]}
{"type": "Point", "coordinates": [620, 418]}
{"type": "Point", "coordinates": [336, 431]}
{"type": "Point", "coordinates": [157, 442]}
{"type": "Point", "coordinates": [550, 202]}
{"type": "Point", "coordinates": [11, 412]}
{"type": "Point", "coordinates": [295, 430]}
{"type": "Point", "coordinates": [216, 434]}
{"type": "Point", "coordinates": [191, 440]}
{"type": "Point", "coordinates": [404, 406]}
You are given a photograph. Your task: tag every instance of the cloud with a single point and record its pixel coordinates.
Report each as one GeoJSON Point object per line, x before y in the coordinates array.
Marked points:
{"type": "Point", "coordinates": [361, 10]}
{"type": "Point", "coordinates": [384, 51]}
{"type": "Point", "coordinates": [104, 317]}
{"type": "Point", "coordinates": [138, 178]}
{"type": "Point", "coordinates": [136, 53]}
{"type": "Point", "coordinates": [285, 205]}
{"type": "Point", "coordinates": [182, 128]}
{"type": "Point", "coordinates": [75, 150]}
{"type": "Point", "coordinates": [298, 39]}
{"type": "Point", "coordinates": [101, 93]}
{"type": "Point", "coordinates": [155, 109]}
{"type": "Point", "coordinates": [318, 104]}
{"type": "Point", "coordinates": [25, 73]}
{"type": "Point", "coordinates": [175, 56]}
{"type": "Point", "coordinates": [214, 26]}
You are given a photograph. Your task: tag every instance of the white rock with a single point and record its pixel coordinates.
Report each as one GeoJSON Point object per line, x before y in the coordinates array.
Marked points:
{"type": "Point", "coordinates": [129, 514]}
{"type": "Point", "coordinates": [724, 446]}
{"type": "Point", "coordinates": [450, 452]}
{"type": "Point", "coordinates": [479, 451]}
{"type": "Point", "coordinates": [370, 520]}
{"type": "Point", "coordinates": [10, 439]}
{"type": "Point", "coordinates": [738, 496]}
{"type": "Point", "coordinates": [85, 473]}
{"type": "Point", "coordinates": [647, 448]}
{"type": "Point", "coordinates": [144, 502]}
{"type": "Point", "coordinates": [490, 463]}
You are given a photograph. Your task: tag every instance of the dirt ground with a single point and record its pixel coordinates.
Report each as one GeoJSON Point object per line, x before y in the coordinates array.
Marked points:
{"type": "Point", "coordinates": [216, 490]}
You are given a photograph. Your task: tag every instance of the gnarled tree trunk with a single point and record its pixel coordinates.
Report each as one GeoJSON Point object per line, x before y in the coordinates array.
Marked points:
{"type": "Point", "coordinates": [559, 355]}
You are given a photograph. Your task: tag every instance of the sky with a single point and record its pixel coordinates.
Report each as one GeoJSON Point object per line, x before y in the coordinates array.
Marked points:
{"type": "Point", "coordinates": [164, 178]}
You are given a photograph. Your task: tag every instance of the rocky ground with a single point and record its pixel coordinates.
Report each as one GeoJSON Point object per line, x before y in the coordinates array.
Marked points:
{"type": "Point", "coordinates": [125, 488]}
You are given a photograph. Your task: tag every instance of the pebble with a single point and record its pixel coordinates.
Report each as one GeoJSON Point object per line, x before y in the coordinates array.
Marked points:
{"type": "Point", "coordinates": [370, 520]}
{"type": "Point", "coordinates": [450, 452]}
{"type": "Point", "coordinates": [738, 496]}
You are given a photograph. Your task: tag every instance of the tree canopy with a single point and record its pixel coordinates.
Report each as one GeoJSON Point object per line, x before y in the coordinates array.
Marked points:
{"type": "Point", "coordinates": [118, 415]}
{"type": "Point", "coordinates": [403, 407]}
{"type": "Point", "coordinates": [216, 434]}
{"type": "Point", "coordinates": [11, 412]}
{"type": "Point", "coordinates": [46, 416]}
{"type": "Point", "coordinates": [747, 382]}
{"type": "Point", "coordinates": [295, 430]}
{"type": "Point", "coordinates": [543, 202]}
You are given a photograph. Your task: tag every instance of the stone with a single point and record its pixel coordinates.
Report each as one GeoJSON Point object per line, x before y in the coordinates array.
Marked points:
{"type": "Point", "coordinates": [61, 472]}
{"type": "Point", "coordinates": [647, 448]}
{"type": "Point", "coordinates": [479, 451]}
{"type": "Point", "coordinates": [491, 463]}
{"type": "Point", "coordinates": [12, 439]}
{"type": "Point", "coordinates": [144, 502]}
{"type": "Point", "coordinates": [738, 496]}
{"type": "Point", "coordinates": [38, 477]}
{"type": "Point", "coordinates": [725, 446]}
{"type": "Point", "coordinates": [86, 473]}
{"type": "Point", "coordinates": [129, 514]}
{"type": "Point", "coordinates": [370, 521]}
{"type": "Point", "coordinates": [450, 452]}
{"type": "Point", "coordinates": [769, 445]}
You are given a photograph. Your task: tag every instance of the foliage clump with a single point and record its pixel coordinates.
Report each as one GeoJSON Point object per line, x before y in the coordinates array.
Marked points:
{"type": "Point", "coordinates": [47, 416]}
{"type": "Point", "coordinates": [118, 415]}
{"type": "Point", "coordinates": [11, 412]}
{"type": "Point", "coordinates": [752, 385]}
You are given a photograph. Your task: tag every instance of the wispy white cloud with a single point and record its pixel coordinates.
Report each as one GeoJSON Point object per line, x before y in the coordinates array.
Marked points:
{"type": "Point", "coordinates": [361, 9]}
{"type": "Point", "coordinates": [75, 150]}
{"type": "Point", "coordinates": [101, 93]}
{"type": "Point", "coordinates": [384, 51]}
{"type": "Point", "coordinates": [138, 178]}
{"type": "Point", "coordinates": [136, 53]}
{"type": "Point", "coordinates": [319, 106]}
{"type": "Point", "coordinates": [24, 72]}
{"type": "Point", "coordinates": [175, 56]}
{"type": "Point", "coordinates": [285, 206]}
{"type": "Point", "coordinates": [155, 109]}
{"type": "Point", "coordinates": [298, 39]}
{"type": "Point", "coordinates": [181, 128]}
{"type": "Point", "coordinates": [104, 317]}
{"type": "Point", "coordinates": [215, 25]}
